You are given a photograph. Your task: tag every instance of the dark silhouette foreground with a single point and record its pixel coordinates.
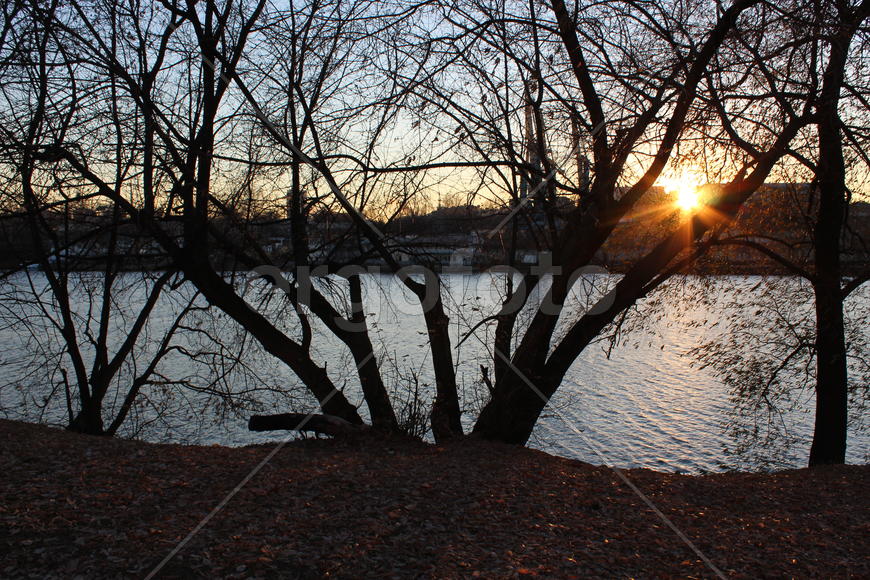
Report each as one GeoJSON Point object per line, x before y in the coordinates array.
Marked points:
{"type": "Point", "coordinates": [372, 507]}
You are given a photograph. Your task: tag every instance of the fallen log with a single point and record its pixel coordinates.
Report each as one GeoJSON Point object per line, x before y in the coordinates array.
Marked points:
{"type": "Point", "coordinates": [321, 424]}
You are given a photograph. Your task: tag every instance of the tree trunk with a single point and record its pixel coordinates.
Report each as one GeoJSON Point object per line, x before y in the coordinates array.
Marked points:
{"type": "Point", "coordinates": [374, 392]}
{"type": "Point", "coordinates": [323, 424]}
{"type": "Point", "coordinates": [829, 437]}
{"type": "Point", "coordinates": [515, 407]}
{"type": "Point", "coordinates": [89, 420]}
{"type": "Point", "coordinates": [220, 294]}
{"type": "Point", "coordinates": [445, 419]}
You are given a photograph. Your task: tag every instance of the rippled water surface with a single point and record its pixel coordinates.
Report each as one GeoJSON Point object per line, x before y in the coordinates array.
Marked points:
{"type": "Point", "coordinates": [643, 406]}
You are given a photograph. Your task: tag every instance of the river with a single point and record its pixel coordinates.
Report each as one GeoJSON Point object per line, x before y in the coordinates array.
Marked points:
{"type": "Point", "coordinates": [639, 402]}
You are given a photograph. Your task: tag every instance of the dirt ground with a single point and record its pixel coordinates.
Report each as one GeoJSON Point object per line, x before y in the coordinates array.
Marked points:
{"type": "Point", "coordinates": [79, 506]}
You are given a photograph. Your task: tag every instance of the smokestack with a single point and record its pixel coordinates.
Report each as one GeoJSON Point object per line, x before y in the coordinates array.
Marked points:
{"type": "Point", "coordinates": [582, 162]}
{"type": "Point", "coordinates": [534, 128]}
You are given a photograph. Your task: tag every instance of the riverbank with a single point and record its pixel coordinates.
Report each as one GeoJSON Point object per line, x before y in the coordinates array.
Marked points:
{"type": "Point", "coordinates": [73, 504]}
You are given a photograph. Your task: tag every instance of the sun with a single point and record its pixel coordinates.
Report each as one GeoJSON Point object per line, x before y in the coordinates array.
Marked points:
{"type": "Point", "coordinates": [687, 198]}
{"type": "Point", "coordinates": [685, 191]}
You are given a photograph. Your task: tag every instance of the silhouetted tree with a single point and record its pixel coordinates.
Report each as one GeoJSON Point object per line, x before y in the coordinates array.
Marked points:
{"type": "Point", "coordinates": [831, 31]}
{"type": "Point", "coordinates": [213, 117]}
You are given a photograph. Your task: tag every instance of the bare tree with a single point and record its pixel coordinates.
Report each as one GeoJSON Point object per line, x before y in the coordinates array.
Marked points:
{"type": "Point", "coordinates": [216, 118]}
{"type": "Point", "coordinates": [831, 32]}
{"type": "Point", "coordinates": [634, 129]}
{"type": "Point", "coordinates": [91, 294]}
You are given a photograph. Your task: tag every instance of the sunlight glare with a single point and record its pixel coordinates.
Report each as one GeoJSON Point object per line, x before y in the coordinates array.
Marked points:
{"type": "Point", "coordinates": [685, 191]}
